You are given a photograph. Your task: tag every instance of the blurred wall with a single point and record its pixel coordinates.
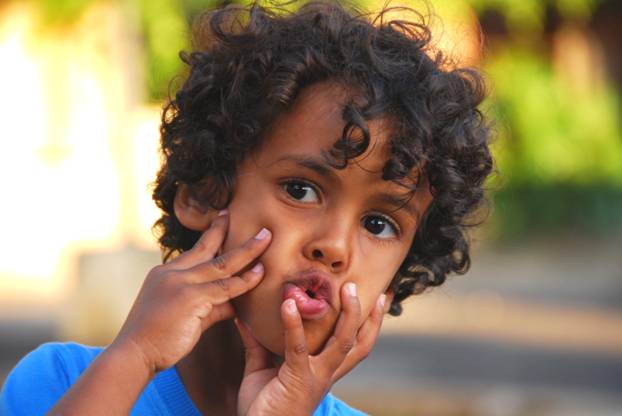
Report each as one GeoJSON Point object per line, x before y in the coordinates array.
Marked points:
{"type": "Point", "coordinates": [80, 148]}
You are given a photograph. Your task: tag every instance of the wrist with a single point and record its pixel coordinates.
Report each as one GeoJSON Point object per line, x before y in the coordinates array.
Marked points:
{"type": "Point", "coordinates": [130, 354]}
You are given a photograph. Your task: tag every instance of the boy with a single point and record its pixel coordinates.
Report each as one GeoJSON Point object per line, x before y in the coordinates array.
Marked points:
{"type": "Point", "coordinates": [318, 169]}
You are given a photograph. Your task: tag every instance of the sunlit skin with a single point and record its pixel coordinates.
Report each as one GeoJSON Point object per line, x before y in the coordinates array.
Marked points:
{"type": "Point", "coordinates": [325, 225]}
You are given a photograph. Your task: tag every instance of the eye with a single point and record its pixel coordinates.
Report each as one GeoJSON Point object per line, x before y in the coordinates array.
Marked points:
{"type": "Point", "coordinates": [380, 226]}
{"type": "Point", "coordinates": [301, 191]}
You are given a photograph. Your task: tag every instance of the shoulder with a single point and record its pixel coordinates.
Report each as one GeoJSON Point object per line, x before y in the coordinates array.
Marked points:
{"type": "Point", "coordinates": [332, 406]}
{"type": "Point", "coordinates": [42, 376]}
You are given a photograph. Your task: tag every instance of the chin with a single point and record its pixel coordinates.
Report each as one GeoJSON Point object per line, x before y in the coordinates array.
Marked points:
{"type": "Point", "coordinates": [267, 328]}
{"type": "Point", "coordinates": [274, 341]}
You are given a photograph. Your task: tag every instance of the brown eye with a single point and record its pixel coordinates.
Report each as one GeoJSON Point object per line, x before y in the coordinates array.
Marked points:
{"type": "Point", "coordinates": [301, 191]}
{"type": "Point", "coordinates": [380, 226]}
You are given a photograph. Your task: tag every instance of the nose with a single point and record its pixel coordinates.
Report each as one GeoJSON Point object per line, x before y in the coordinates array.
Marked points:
{"type": "Point", "coordinates": [330, 244]}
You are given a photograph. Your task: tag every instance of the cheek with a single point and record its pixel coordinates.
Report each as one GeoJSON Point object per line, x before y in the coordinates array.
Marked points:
{"type": "Point", "coordinates": [378, 272]}
{"type": "Point", "coordinates": [245, 221]}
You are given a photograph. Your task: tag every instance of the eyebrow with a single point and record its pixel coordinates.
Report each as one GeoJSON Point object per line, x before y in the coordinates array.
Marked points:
{"type": "Point", "coordinates": [399, 202]}
{"type": "Point", "coordinates": [318, 165]}
{"type": "Point", "coordinates": [324, 169]}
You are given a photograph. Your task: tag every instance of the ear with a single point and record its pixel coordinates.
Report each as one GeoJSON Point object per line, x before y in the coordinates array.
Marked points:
{"type": "Point", "coordinates": [191, 213]}
{"type": "Point", "coordinates": [387, 303]}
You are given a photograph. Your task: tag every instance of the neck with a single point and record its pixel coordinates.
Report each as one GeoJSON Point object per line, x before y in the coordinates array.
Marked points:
{"type": "Point", "coordinates": [212, 372]}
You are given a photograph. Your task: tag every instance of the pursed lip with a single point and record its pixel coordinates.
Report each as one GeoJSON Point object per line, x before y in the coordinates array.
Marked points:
{"type": "Point", "coordinates": [315, 281]}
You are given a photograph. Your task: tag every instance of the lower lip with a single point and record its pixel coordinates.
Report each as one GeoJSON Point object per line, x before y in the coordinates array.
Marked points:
{"type": "Point", "coordinates": [308, 307]}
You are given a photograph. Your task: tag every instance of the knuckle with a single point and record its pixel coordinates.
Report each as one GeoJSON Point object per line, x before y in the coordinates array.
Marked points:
{"type": "Point", "coordinates": [173, 277]}
{"type": "Point", "coordinates": [201, 245]}
{"type": "Point", "coordinates": [363, 352]}
{"type": "Point", "coordinates": [223, 284]}
{"type": "Point", "coordinates": [158, 270]}
{"type": "Point", "coordinates": [156, 273]}
{"type": "Point", "coordinates": [185, 294]}
{"type": "Point", "coordinates": [345, 346]}
{"type": "Point", "coordinates": [187, 291]}
{"type": "Point", "coordinates": [299, 349]}
{"type": "Point", "coordinates": [220, 263]}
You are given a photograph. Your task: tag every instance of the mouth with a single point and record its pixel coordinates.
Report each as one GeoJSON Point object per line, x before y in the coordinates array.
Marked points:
{"type": "Point", "coordinates": [312, 292]}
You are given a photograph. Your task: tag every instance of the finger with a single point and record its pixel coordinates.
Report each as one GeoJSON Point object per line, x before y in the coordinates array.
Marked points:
{"type": "Point", "coordinates": [257, 357]}
{"type": "Point", "coordinates": [232, 261]}
{"type": "Point", "coordinates": [220, 291]}
{"type": "Point", "coordinates": [365, 340]}
{"type": "Point", "coordinates": [296, 351]}
{"type": "Point", "coordinates": [342, 340]}
{"type": "Point", "coordinates": [207, 246]}
{"type": "Point", "coordinates": [217, 314]}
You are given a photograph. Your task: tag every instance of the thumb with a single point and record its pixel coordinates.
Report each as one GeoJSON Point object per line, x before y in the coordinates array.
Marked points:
{"type": "Point", "coordinates": [257, 356]}
{"type": "Point", "coordinates": [218, 313]}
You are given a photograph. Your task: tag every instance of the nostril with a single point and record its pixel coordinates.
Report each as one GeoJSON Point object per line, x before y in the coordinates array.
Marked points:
{"type": "Point", "coordinates": [316, 254]}
{"type": "Point", "coordinates": [336, 264]}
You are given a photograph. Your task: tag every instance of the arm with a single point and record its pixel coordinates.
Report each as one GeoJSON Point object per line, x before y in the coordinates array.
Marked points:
{"type": "Point", "coordinates": [177, 302]}
{"type": "Point", "coordinates": [110, 385]}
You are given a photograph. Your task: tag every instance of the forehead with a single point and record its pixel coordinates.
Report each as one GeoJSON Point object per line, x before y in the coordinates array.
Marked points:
{"type": "Point", "coordinates": [315, 122]}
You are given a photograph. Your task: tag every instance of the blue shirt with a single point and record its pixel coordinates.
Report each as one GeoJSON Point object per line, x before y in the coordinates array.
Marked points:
{"type": "Point", "coordinates": [43, 376]}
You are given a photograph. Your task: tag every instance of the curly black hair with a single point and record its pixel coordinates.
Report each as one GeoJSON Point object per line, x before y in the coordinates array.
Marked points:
{"type": "Point", "coordinates": [250, 63]}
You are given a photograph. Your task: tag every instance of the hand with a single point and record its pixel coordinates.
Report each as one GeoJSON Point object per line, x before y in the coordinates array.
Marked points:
{"type": "Point", "coordinates": [179, 300]}
{"type": "Point", "coordinates": [298, 385]}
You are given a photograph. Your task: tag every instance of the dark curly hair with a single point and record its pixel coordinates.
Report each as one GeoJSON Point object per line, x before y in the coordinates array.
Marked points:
{"type": "Point", "coordinates": [250, 63]}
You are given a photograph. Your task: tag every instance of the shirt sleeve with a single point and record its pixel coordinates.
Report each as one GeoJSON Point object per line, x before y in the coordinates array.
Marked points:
{"type": "Point", "coordinates": [332, 406]}
{"type": "Point", "coordinates": [35, 383]}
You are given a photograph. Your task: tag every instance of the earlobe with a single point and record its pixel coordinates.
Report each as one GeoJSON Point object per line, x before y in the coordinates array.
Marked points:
{"type": "Point", "coordinates": [191, 213]}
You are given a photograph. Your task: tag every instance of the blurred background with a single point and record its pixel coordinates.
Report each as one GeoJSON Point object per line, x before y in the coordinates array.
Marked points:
{"type": "Point", "coordinates": [534, 328]}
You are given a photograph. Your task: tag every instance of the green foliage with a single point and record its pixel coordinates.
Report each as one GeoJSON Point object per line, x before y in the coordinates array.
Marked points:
{"type": "Point", "coordinates": [165, 32]}
{"type": "Point", "coordinates": [538, 211]}
{"type": "Point", "coordinates": [526, 16]}
{"type": "Point", "coordinates": [550, 131]}
{"type": "Point", "coordinates": [558, 144]}
{"type": "Point", "coordinates": [58, 12]}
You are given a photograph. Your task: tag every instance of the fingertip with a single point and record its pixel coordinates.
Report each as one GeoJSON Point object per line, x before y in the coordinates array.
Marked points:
{"type": "Point", "coordinates": [258, 269]}
{"type": "Point", "coordinates": [350, 300]}
{"type": "Point", "coordinates": [254, 275]}
{"type": "Point", "coordinates": [221, 218]}
{"type": "Point", "coordinates": [290, 308]}
{"type": "Point", "coordinates": [351, 289]}
{"type": "Point", "coordinates": [290, 315]}
{"type": "Point", "coordinates": [381, 302]}
{"type": "Point", "coordinates": [263, 234]}
{"type": "Point", "coordinates": [240, 325]}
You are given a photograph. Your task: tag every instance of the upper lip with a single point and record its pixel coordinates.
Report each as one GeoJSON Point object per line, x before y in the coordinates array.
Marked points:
{"type": "Point", "coordinates": [317, 282]}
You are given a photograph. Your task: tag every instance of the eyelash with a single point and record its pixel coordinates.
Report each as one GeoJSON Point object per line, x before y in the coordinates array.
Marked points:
{"type": "Point", "coordinates": [391, 223]}
{"type": "Point", "coordinates": [317, 190]}
{"type": "Point", "coordinates": [305, 182]}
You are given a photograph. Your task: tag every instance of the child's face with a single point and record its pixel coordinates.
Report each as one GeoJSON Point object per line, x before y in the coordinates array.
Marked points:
{"type": "Point", "coordinates": [329, 226]}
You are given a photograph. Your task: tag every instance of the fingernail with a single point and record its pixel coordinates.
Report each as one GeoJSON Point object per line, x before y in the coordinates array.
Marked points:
{"type": "Point", "coordinates": [223, 212]}
{"type": "Point", "coordinates": [351, 289]}
{"type": "Point", "coordinates": [290, 306]}
{"type": "Point", "coordinates": [258, 268]}
{"type": "Point", "coordinates": [262, 234]}
{"type": "Point", "coordinates": [381, 301]}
